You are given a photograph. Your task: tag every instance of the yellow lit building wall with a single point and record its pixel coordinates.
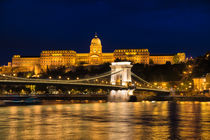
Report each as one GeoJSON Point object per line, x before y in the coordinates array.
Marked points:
{"type": "Point", "coordinates": [161, 59]}
{"type": "Point", "coordinates": [6, 69]}
{"type": "Point", "coordinates": [133, 55]}
{"type": "Point", "coordinates": [82, 58]}
{"type": "Point", "coordinates": [107, 57]}
{"type": "Point", "coordinates": [24, 64]}
{"type": "Point", "coordinates": [56, 58]}
{"type": "Point", "coordinates": [199, 83]}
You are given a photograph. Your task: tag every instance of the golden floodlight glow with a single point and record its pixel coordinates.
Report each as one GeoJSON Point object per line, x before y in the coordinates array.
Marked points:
{"type": "Point", "coordinates": [52, 59]}
{"type": "Point", "coordinates": [163, 84]}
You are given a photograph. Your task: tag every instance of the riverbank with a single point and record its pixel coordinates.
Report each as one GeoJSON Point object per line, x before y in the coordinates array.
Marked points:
{"type": "Point", "coordinates": [56, 97]}
{"type": "Point", "coordinates": [85, 98]}
{"type": "Point", "coordinates": [174, 98]}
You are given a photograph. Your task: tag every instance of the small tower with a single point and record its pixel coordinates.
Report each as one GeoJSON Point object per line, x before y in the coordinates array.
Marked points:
{"type": "Point", "coordinates": [121, 73]}
{"type": "Point", "coordinates": [95, 46]}
{"type": "Point", "coordinates": [95, 51]}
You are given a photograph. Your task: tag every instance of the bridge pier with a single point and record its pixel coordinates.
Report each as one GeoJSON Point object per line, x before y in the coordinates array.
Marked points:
{"type": "Point", "coordinates": [124, 76]}
{"type": "Point", "coordinates": [120, 95]}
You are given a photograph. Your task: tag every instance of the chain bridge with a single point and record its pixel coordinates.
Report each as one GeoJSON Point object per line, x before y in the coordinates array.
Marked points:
{"type": "Point", "coordinates": [120, 77]}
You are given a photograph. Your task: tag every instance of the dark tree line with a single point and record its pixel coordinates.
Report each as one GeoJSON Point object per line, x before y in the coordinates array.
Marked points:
{"type": "Point", "coordinates": [201, 65]}
{"type": "Point", "coordinates": [74, 72]}
{"type": "Point", "coordinates": [165, 72]}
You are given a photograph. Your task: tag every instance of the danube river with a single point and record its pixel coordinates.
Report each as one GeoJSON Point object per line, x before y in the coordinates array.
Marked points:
{"type": "Point", "coordinates": [104, 121]}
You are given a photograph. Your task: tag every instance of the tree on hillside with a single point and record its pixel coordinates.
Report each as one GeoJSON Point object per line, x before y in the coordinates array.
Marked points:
{"type": "Point", "coordinates": [151, 61]}
{"type": "Point", "coordinates": [201, 65]}
{"type": "Point", "coordinates": [176, 59]}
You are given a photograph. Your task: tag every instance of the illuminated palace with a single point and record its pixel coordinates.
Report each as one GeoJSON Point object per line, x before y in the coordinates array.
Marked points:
{"type": "Point", "coordinates": [50, 59]}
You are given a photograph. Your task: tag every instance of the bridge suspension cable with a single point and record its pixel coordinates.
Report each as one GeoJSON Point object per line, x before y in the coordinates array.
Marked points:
{"type": "Point", "coordinates": [96, 77]}
{"type": "Point", "coordinates": [139, 78]}
{"type": "Point", "coordinates": [68, 81]}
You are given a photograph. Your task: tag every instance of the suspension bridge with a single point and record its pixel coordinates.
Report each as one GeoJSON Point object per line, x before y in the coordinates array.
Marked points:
{"type": "Point", "coordinates": [120, 77]}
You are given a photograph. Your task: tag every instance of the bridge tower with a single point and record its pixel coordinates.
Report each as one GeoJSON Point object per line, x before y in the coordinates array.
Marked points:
{"type": "Point", "coordinates": [124, 76]}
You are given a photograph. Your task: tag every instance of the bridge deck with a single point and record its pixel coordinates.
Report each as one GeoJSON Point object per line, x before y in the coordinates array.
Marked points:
{"type": "Point", "coordinates": [66, 82]}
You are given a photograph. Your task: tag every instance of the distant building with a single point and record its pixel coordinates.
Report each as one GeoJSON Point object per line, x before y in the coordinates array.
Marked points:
{"type": "Point", "coordinates": [25, 64]}
{"type": "Point", "coordinates": [6, 69]}
{"type": "Point", "coordinates": [164, 58]}
{"type": "Point", "coordinates": [134, 55]}
{"type": "Point", "coordinates": [50, 59]}
{"type": "Point", "coordinates": [202, 83]}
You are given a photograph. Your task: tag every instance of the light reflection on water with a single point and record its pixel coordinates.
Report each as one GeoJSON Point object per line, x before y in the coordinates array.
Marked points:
{"type": "Point", "coordinates": [141, 120]}
{"type": "Point", "coordinates": [120, 95]}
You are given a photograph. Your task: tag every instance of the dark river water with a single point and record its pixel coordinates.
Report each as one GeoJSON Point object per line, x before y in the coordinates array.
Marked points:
{"type": "Point", "coordinates": [104, 121]}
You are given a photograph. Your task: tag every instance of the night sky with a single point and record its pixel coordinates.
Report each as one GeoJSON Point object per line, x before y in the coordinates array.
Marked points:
{"type": "Point", "coordinates": [162, 26]}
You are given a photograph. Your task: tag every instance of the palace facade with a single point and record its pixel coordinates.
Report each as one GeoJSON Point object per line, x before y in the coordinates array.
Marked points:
{"type": "Point", "coordinates": [50, 59]}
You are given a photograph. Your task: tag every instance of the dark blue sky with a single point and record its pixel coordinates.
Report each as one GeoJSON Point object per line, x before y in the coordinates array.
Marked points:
{"type": "Point", "coordinates": [162, 26]}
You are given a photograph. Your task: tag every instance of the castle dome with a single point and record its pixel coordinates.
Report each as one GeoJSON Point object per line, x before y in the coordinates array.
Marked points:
{"type": "Point", "coordinates": [96, 40]}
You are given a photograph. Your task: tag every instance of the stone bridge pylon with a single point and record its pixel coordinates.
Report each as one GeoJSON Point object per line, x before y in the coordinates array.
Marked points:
{"type": "Point", "coordinates": [122, 73]}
